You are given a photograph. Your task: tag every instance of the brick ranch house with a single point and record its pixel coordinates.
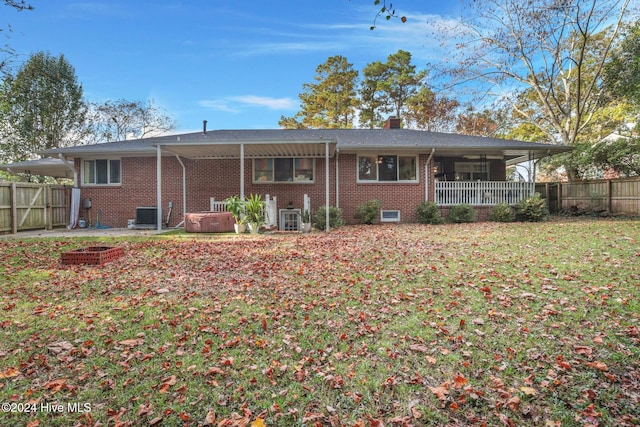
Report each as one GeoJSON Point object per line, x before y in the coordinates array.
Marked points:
{"type": "Point", "coordinates": [339, 167]}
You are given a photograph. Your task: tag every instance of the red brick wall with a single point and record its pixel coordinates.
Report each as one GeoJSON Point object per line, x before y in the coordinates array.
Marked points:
{"type": "Point", "coordinates": [117, 204]}
{"type": "Point", "coordinates": [393, 195]}
{"type": "Point", "coordinates": [221, 179]}
{"type": "Point", "coordinates": [295, 191]}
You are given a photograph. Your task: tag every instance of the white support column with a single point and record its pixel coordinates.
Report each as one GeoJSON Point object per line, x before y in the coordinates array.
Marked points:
{"type": "Point", "coordinates": [306, 203]}
{"type": "Point", "coordinates": [428, 172]}
{"type": "Point", "coordinates": [159, 186]}
{"type": "Point", "coordinates": [337, 178]}
{"type": "Point", "coordinates": [242, 171]}
{"type": "Point", "coordinates": [326, 184]}
{"type": "Point", "coordinates": [184, 188]}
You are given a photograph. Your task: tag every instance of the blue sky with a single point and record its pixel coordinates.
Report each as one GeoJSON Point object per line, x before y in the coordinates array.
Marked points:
{"type": "Point", "coordinates": [239, 64]}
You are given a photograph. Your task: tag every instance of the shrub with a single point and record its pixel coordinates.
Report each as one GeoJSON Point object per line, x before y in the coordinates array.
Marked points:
{"type": "Point", "coordinates": [502, 213]}
{"type": "Point", "coordinates": [462, 213]}
{"type": "Point", "coordinates": [368, 212]}
{"type": "Point", "coordinates": [335, 217]}
{"type": "Point", "coordinates": [533, 209]}
{"type": "Point", "coordinates": [429, 213]}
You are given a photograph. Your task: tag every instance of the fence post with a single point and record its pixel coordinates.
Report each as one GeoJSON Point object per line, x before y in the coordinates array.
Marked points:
{"type": "Point", "coordinates": [547, 194]}
{"type": "Point", "coordinates": [48, 209]}
{"type": "Point", "coordinates": [560, 208]}
{"type": "Point", "coordinates": [14, 208]}
{"type": "Point", "coordinates": [609, 197]}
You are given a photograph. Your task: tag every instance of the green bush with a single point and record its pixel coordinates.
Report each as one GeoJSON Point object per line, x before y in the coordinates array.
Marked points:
{"type": "Point", "coordinates": [462, 213]}
{"type": "Point", "coordinates": [502, 213]}
{"type": "Point", "coordinates": [335, 217]}
{"type": "Point", "coordinates": [533, 209]}
{"type": "Point", "coordinates": [368, 212]}
{"type": "Point", "coordinates": [429, 213]}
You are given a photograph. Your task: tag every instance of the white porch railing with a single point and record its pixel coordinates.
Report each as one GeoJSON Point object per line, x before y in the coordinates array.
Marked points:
{"type": "Point", "coordinates": [482, 193]}
{"type": "Point", "coordinates": [269, 212]}
{"type": "Point", "coordinates": [216, 206]}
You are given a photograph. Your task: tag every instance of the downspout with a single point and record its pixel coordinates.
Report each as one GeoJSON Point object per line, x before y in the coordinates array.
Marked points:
{"type": "Point", "coordinates": [337, 180]}
{"type": "Point", "coordinates": [159, 187]}
{"type": "Point", "coordinates": [71, 168]}
{"type": "Point", "coordinates": [427, 170]}
{"type": "Point", "coordinates": [184, 191]}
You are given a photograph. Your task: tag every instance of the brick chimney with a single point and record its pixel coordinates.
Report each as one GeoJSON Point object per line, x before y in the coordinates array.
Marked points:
{"type": "Point", "coordinates": [392, 123]}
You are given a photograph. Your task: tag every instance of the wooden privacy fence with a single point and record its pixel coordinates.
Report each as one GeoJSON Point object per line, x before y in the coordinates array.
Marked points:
{"type": "Point", "coordinates": [25, 206]}
{"type": "Point", "coordinates": [616, 196]}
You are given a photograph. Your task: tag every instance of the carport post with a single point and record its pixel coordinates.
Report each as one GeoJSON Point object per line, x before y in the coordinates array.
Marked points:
{"type": "Point", "coordinates": [242, 171]}
{"type": "Point", "coordinates": [326, 184]}
{"type": "Point", "coordinates": [159, 186]}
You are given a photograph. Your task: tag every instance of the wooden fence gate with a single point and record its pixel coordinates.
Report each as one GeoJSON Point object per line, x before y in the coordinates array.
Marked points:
{"type": "Point", "coordinates": [25, 206]}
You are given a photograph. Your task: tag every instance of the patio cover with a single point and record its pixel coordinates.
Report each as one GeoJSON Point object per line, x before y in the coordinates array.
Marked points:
{"type": "Point", "coordinates": [249, 149]}
{"type": "Point", "coordinates": [241, 149]}
{"type": "Point", "coordinates": [56, 168]}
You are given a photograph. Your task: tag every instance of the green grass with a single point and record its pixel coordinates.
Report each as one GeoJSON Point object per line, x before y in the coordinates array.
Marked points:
{"type": "Point", "coordinates": [470, 324]}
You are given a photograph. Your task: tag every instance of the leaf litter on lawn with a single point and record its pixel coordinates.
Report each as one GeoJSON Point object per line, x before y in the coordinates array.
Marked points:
{"type": "Point", "coordinates": [477, 324]}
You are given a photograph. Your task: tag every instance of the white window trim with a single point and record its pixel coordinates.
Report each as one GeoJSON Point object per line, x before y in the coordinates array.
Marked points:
{"type": "Point", "coordinates": [383, 219]}
{"type": "Point", "coordinates": [273, 171]}
{"type": "Point", "coordinates": [377, 180]}
{"type": "Point", "coordinates": [108, 184]}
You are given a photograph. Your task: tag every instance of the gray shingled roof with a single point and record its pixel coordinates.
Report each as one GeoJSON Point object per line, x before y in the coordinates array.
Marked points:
{"type": "Point", "coordinates": [346, 140]}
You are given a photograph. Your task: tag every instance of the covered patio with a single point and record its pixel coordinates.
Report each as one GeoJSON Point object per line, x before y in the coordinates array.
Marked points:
{"type": "Point", "coordinates": [468, 176]}
{"type": "Point", "coordinates": [241, 150]}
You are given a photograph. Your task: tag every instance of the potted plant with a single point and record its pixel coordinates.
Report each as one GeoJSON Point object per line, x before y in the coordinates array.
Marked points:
{"type": "Point", "coordinates": [305, 221]}
{"type": "Point", "coordinates": [254, 209]}
{"type": "Point", "coordinates": [238, 208]}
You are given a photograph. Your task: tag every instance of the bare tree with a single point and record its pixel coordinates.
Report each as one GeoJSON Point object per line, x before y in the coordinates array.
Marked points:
{"type": "Point", "coordinates": [120, 120]}
{"type": "Point", "coordinates": [549, 52]}
{"type": "Point", "coordinates": [6, 51]}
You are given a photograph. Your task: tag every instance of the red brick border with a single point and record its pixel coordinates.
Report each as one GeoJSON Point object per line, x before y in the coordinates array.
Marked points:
{"type": "Point", "coordinates": [96, 255]}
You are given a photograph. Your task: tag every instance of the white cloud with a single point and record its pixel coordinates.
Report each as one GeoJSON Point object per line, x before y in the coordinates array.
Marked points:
{"type": "Point", "coordinates": [415, 36]}
{"type": "Point", "coordinates": [234, 104]}
{"type": "Point", "coordinates": [270, 103]}
{"type": "Point", "coordinates": [218, 104]}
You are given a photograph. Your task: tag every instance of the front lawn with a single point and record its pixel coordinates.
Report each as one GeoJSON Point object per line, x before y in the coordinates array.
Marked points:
{"type": "Point", "coordinates": [399, 325]}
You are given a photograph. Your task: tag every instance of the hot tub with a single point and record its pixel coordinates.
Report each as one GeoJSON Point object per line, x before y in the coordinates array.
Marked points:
{"type": "Point", "coordinates": [208, 222]}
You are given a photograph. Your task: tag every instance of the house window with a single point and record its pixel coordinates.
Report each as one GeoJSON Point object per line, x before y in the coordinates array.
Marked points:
{"type": "Point", "coordinates": [283, 169]}
{"type": "Point", "coordinates": [101, 172]}
{"type": "Point", "coordinates": [472, 171]}
{"type": "Point", "coordinates": [387, 168]}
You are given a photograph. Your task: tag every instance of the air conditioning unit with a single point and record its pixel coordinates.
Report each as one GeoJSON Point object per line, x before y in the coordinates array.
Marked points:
{"type": "Point", "coordinates": [389, 216]}
{"type": "Point", "coordinates": [147, 216]}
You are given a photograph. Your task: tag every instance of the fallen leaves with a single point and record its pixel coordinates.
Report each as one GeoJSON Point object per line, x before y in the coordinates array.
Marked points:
{"type": "Point", "coordinates": [167, 383]}
{"type": "Point", "coordinates": [441, 391]}
{"type": "Point", "coordinates": [364, 326]}
{"type": "Point", "coordinates": [9, 372]}
{"type": "Point", "coordinates": [131, 342]}
{"type": "Point", "coordinates": [600, 366]}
